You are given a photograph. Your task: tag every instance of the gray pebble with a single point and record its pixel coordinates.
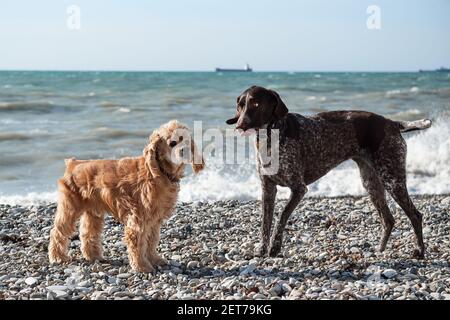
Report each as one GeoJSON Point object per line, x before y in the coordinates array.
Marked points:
{"type": "Point", "coordinates": [328, 244]}
{"type": "Point", "coordinates": [389, 273]}
{"type": "Point", "coordinates": [31, 281]}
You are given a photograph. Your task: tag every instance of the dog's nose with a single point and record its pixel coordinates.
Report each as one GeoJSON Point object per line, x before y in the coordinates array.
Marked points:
{"type": "Point", "coordinates": [244, 123]}
{"type": "Point", "coordinates": [172, 144]}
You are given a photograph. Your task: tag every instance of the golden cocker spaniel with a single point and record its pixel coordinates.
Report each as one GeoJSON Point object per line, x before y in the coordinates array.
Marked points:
{"type": "Point", "coordinates": [139, 192]}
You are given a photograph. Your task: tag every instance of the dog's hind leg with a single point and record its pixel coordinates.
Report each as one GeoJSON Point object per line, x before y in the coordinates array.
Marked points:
{"type": "Point", "coordinates": [398, 191]}
{"type": "Point", "coordinates": [372, 183]}
{"type": "Point", "coordinates": [91, 227]}
{"type": "Point", "coordinates": [401, 196]}
{"type": "Point", "coordinates": [152, 243]}
{"type": "Point", "coordinates": [67, 215]}
{"type": "Point", "coordinates": [390, 165]}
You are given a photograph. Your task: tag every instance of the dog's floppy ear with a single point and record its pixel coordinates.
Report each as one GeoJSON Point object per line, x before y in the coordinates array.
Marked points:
{"type": "Point", "coordinates": [150, 152]}
{"type": "Point", "coordinates": [233, 120]}
{"type": "Point", "coordinates": [236, 117]}
{"type": "Point", "coordinates": [197, 161]}
{"type": "Point", "coordinates": [280, 109]}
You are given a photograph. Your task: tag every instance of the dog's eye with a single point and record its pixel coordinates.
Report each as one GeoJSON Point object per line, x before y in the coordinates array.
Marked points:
{"type": "Point", "coordinates": [172, 144]}
{"type": "Point", "coordinates": [256, 104]}
{"type": "Point", "coordinates": [180, 139]}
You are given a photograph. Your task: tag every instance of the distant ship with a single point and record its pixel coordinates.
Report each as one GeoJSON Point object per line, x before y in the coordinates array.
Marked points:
{"type": "Point", "coordinates": [246, 69]}
{"type": "Point", "coordinates": [441, 69]}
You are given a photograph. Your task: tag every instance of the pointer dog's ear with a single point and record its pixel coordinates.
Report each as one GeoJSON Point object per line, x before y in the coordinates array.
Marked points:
{"type": "Point", "coordinates": [236, 117]}
{"type": "Point", "coordinates": [233, 120]}
{"type": "Point", "coordinates": [280, 109]}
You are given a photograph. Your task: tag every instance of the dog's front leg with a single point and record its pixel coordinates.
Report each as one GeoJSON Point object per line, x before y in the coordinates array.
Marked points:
{"type": "Point", "coordinates": [136, 240]}
{"type": "Point", "coordinates": [152, 244]}
{"type": "Point", "coordinates": [277, 236]}
{"type": "Point", "coordinates": [269, 192]}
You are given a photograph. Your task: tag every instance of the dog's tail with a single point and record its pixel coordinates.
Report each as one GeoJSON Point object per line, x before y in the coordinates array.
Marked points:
{"type": "Point", "coordinates": [406, 126]}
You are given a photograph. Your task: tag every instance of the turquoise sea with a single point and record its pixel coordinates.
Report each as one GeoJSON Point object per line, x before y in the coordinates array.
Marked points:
{"type": "Point", "coordinates": [48, 116]}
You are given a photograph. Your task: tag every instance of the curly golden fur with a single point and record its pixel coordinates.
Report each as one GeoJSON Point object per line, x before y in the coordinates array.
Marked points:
{"type": "Point", "coordinates": [139, 192]}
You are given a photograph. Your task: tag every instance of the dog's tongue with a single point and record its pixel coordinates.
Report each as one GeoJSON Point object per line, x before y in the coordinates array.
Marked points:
{"type": "Point", "coordinates": [246, 133]}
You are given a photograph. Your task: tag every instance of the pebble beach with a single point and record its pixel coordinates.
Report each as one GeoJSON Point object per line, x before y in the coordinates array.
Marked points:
{"type": "Point", "coordinates": [329, 252]}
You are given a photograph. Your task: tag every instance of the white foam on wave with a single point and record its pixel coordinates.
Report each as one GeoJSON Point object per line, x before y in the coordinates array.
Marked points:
{"type": "Point", "coordinates": [392, 92]}
{"type": "Point", "coordinates": [9, 121]}
{"type": "Point", "coordinates": [428, 162]}
{"type": "Point", "coordinates": [401, 92]}
{"type": "Point", "coordinates": [123, 109]}
{"type": "Point", "coordinates": [211, 185]}
{"type": "Point", "coordinates": [28, 199]}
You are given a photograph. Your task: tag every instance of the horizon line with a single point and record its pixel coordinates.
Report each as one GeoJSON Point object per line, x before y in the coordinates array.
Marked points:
{"type": "Point", "coordinates": [214, 71]}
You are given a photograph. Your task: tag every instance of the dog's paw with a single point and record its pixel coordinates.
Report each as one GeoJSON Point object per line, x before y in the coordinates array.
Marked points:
{"type": "Point", "coordinates": [147, 268]}
{"type": "Point", "coordinates": [93, 259]}
{"type": "Point", "coordinates": [273, 252]}
{"type": "Point", "coordinates": [275, 248]}
{"type": "Point", "coordinates": [91, 253]}
{"type": "Point", "coordinates": [158, 261]}
{"type": "Point", "coordinates": [59, 258]}
{"type": "Point", "coordinates": [261, 250]}
{"type": "Point", "coordinates": [419, 254]}
{"type": "Point", "coordinates": [143, 266]}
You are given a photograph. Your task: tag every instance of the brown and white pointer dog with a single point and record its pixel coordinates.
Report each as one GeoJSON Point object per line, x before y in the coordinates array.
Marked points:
{"type": "Point", "coordinates": [309, 147]}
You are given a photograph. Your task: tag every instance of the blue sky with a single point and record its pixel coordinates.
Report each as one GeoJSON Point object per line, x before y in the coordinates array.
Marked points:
{"type": "Point", "coordinates": [300, 35]}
